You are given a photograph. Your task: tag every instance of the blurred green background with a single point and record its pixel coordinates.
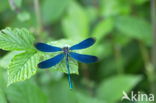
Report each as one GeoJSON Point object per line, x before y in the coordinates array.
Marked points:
{"type": "Point", "coordinates": [123, 31]}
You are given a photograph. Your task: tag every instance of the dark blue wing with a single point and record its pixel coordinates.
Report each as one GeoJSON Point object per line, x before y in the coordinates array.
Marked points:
{"type": "Point", "coordinates": [83, 58]}
{"type": "Point", "coordinates": [51, 62]}
{"type": "Point", "coordinates": [84, 44]}
{"type": "Point", "coordinates": [47, 48]}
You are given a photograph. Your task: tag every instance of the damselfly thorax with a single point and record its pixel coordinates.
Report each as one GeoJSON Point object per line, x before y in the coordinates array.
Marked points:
{"type": "Point", "coordinates": [65, 50]}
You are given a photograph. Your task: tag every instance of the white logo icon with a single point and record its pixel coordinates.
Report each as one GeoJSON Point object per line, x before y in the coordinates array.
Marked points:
{"type": "Point", "coordinates": [125, 96]}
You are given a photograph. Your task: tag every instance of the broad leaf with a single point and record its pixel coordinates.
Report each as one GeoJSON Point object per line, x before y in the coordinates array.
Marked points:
{"type": "Point", "coordinates": [22, 67]}
{"type": "Point", "coordinates": [16, 39]}
{"type": "Point", "coordinates": [81, 98]}
{"type": "Point", "coordinates": [114, 7]}
{"type": "Point", "coordinates": [2, 97]}
{"type": "Point", "coordinates": [140, 2]}
{"type": "Point", "coordinates": [92, 13]}
{"type": "Point", "coordinates": [25, 92]}
{"type": "Point", "coordinates": [2, 86]}
{"type": "Point", "coordinates": [121, 39]}
{"type": "Point", "coordinates": [18, 3]}
{"type": "Point", "coordinates": [76, 24]}
{"type": "Point", "coordinates": [57, 90]}
{"type": "Point", "coordinates": [135, 28]}
{"type": "Point", "coordinates": [111, 89]}
{"type": "Point", "coordinates": [103, 28]}
{"type": "Point", "coordinates": [99, 50]}
{"type": "Point", "coordinates": [5, 61]}
{"type": "Point", "coordinates": [56, 9]}
{"type": "Point", "coordinates": [2, 79]}
{"type": "Point", "coordinates": [23, 16]}
{"type": "Point", "coordinates": [4, 6]}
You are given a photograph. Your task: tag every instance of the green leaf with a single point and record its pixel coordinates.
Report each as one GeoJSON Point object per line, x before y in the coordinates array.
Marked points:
{"type": "Point", "coordinates": [111, 89]}
{"type": "Point", "coordinates": [22, 67]}
{"type": "Point", "coordinates": [140, 2]}
{"type": "Point", "coordinates": [18, 3]}
{"type": "Point", "coordinates": [2, 87]}
{"type": "Point", "coordinates": [62, 65]}
{"type": "Point", "coordinates": [56, 8]}
{"type": "Point", "coordinates": [92, 13]}
{"type": "Point", "coordinates": [4, 5]}
{"type": "Point", "coordinates": [49, 75]}
{"type": "Point", "coordinates": [81, 98]}
{"type": "Point", "coordinates": [114, 7]}
{"type": "Point", "coordinates": [121, 39]}
{"type": "Point", "coordinates": [135, 28]}
{"type": "Point", "coordinates": [2, 79]}
{"type": "Point", "coordinates": [75, 24]}
{"type": "Point", "coordinates": [15, 4]}
{"type": "Point", "coordinates": [2, 97]}
{"type": "Point", "coordinates": [103, 28]}
{"type": "Point", "coordinates": [5, 61]}
{"type": "Point", "coordinates": [23, 16]}
{"type": "Point", "coordinates": [25, 92]}
{"type": "Point", "coordinates": [100, 50]}
{"type": "Point", "coordinates": [57, 90]}
{"type": "Point", "coordinates": [16, 39]}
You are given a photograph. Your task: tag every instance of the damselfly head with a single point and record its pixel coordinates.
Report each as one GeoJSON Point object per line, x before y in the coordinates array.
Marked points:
{"type": "Point", "coordinates": [65, 49]}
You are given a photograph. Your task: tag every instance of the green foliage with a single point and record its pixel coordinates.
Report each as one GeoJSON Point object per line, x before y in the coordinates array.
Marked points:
{"type": "Point", "coordinates": [24, 92]}
{"type": "Point", "coordinates": [111, 89]}
{"type": "Point", "coordinates": [2, 87]}
{"type": "Point", "coordinates": [76, 24]}
{"type": "Point", "coordinates": [103, 29]}
{"type": "Point", "coordinates": [56, 9]}
{"type": "Point", "coordinates": [16, 39]}
{"type": "Point", "coordinates": [23, 16]}
{"type": "Point", "coordinates": [87, 99]}
{"type": "Point", "coordinates": [62, 89]}
{"type": "Point", "coordinates": [18, 3]}
{"type": "Point", "coordinates": [122, 39]}
{"type": "Point", "coordinates": [22, 67]}
{"type": "Point", "coordinates": [114, 7]}
{"type": "Point", "coordinates": [139, 2]}
{"type": "Point", "coordinates": [136, 28]}
{"type": "Point", "coordinates": [119, 26]}
{"type": "Point", "coordinates": [2, 97]}
{"type": "Point", "coordinates": [5, 61]}
{"type": "Point", "coordinates": [72, 96]}
{"type": "Point", "coordinates": [92, 13]}
{"type": "Point", "coordinates": [28, 91]}
{"type": "Point", "coordinates": [4, 5]}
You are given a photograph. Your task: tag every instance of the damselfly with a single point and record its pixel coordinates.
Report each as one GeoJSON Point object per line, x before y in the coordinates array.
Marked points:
{"type": "Point", "coordinates": [66, 52]}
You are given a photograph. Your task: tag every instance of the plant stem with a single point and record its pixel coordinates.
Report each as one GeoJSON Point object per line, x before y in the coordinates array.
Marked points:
{"type": "Point", "coordinates": [38, 16]}
{"type": "Point", "coordinates": [148, 66]}
{"type": "Point", "coordinates": [13, 6]}
{"type": "Point", "coordinates": [118, 59]}
{"type": "Point", "coordinates": [88, 82]}
{"type": "Point", "coordinates": [153, 21]}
